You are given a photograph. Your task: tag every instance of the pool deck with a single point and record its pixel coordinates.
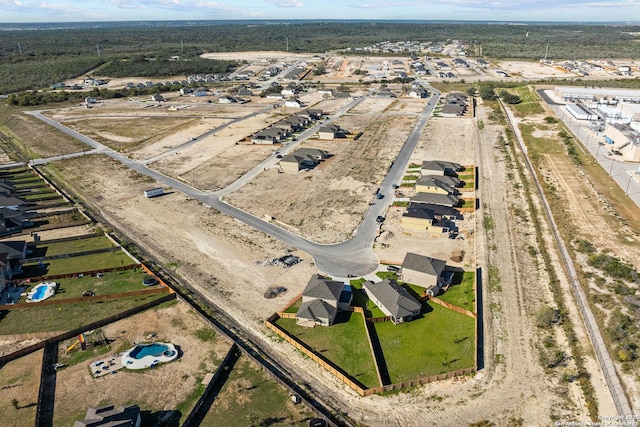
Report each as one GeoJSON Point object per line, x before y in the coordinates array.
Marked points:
{"type": "Point", "coordinates": [113, 364]}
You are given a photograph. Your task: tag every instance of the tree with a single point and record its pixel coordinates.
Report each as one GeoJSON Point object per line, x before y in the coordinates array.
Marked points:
{"type": "Point", "coordinates": [510, 98]}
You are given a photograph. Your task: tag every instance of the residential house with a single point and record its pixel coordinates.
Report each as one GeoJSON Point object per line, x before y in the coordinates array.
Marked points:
{"type": "Point", "coordinates": [455, 104]}
{"type": "Point", "coordinates": [394, 300]}
{"type": "Point", "coordinates": [185, 90]}
{"type": "Point", "coordinates": [157, 97]}
{"type": "Point", "coordinates": [272, 135]}
{"type": "Point", "coordinates": [432, 184]}
{"type": "Point", "coordinates": [417, 92]}
{"type": "Point", "coordinates": [449, 200]}
{"type": "Point", "coordinates": [12, 220]}
{"type": "Point", "coordinates": [201, 91]}
{"type": "Point", "coordinates": [302, 158]}
{"type": "Point", "coordinates": [225, 99]}
{"type": "Point", "coordinates": [384, 93]}
{"type": "Point", "coordinates": [11, 255]}
{"type": "Point", "coordinates": [293, 103]}
{"type": "Point", "coordinates": [331, 131]}
{"type": "Point", "coordinates": [422, 217]}
{"type": "Point", "coordinates": [110, 416]}
{"type": "Point", "coordinates": [439, 167]}
{"type": "Point", "coordinates": [422, 270]}
{"type": "Point", "coordinates": [322, 298]}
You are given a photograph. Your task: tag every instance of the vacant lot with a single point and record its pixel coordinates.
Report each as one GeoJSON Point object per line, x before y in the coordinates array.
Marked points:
{"type": "Point", "coordinates": [19, 384]}
{"type": "Point", "coordinates": [154, 390]}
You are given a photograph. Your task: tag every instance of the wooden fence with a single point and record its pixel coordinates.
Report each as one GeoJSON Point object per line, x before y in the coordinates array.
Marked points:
{"type": "Point", "coordinates": [83, 273]}
{"type": "Point", "coordinates": [63, 239]}
{"type": "Point", "coordinates": [453, 307]}
{"type": "Point", "coordinates": [270, 324]}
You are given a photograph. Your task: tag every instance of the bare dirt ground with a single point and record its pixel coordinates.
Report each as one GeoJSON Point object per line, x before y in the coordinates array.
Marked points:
{"type": "Point", "coordinates": [217, 255]}
{"type": "Point", "coordinates": [153, 390]}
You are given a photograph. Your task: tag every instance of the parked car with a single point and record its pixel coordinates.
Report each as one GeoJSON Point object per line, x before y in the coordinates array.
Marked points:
{"type": "Point", "coordinates": [393, 268]}
{"type": "Point", "coordinates": [278, 156]}
{"type": "Point", "coordinates": [380, 218]}
{"type": "Point", "coordinates": [379, 196]}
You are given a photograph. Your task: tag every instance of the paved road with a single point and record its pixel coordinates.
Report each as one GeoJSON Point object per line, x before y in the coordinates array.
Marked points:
{"type": "Point", "coordinates": [606, 364]}
{"type": "Point", "coordinates": [352, 257]}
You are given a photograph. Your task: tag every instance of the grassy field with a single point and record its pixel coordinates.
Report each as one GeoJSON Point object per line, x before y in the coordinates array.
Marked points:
{"type": "Point", "coordinates": [461, 292]}
{"type": "Point", "coordinates": [250, 398]}
{"type": "Point", "coordinates": [20, 380]}
{"type": "Point", "coordinates": [441, 341]}
{"type": "Point", "coordinates": [71, 247]}
{"type": "Point", "coordinates": [468, 204]}
{"type": "Point", "coordinates": [529, 101]}
{"type": "Point", "coordinates": [65, 317]}
{"type": "Point", "coordinates": [345, 344]}
{"type": "Point", "coordinates": [77, 264]}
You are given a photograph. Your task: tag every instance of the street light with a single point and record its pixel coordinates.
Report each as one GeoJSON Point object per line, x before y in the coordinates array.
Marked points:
{"type": "Point", "coordinates": [626, 191]}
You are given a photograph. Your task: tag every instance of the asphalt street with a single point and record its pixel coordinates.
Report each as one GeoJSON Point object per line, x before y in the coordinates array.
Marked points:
{"type": "Point", "coordinates": [352, 257]}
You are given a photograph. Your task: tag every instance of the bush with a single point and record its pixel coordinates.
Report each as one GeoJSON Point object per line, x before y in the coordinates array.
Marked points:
{"type": "Point", "coordinates": [510, 98]}
{"type": "Point", "coordinates": [613, 267]}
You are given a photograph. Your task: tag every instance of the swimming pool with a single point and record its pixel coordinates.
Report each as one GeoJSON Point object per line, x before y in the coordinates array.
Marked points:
{"type": "Point", "coordinates": [42, 291]}
{"type": "Point", "coordinates": [149, 355]}
{"type": "Point", "coordinates": [155, 350]}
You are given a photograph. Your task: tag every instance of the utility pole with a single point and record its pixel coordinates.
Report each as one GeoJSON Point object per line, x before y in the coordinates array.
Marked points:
{"type": "Point", "coordinates": [19, 48]}
{"type": "Point", "coordinates": [98, 50]}
{"type": "Point", "coordinates": [287, 44]}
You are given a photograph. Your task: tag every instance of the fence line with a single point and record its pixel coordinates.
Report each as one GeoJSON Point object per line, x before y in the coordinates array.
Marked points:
{"type": "Point", "coordinates": [373, 353]}
{"type": "Point", "coordinates": [72, 255]}
{"type": "Point", "coordinates": [453, 307]}
{"type": "Point", "coordinates": [84, 273]}
{"type": "Point", "coordinates": [63, 239]}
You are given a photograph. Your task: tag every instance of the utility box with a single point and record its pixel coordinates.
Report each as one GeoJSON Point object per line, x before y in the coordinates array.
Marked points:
{"type": "Point", "coordinates": [154, 192]}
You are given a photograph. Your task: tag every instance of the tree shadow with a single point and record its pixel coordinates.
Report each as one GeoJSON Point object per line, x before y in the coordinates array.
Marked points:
{"type": "Point", "coordinates": [169, 418]}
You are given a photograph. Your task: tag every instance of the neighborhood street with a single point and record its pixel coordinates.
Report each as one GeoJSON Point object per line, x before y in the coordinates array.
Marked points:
{"type": "Point", "coordinates": [352, 257]}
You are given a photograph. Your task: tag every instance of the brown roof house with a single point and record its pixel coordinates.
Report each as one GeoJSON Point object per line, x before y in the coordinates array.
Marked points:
{"type": "Point", "coordinates": [394, 300]}
{"type": "Point", "coordinates": [422, 270]}
{"type": "Point", "coordinates": [321, 301]}
{"type": "Point", "coordinates": [109, 416]}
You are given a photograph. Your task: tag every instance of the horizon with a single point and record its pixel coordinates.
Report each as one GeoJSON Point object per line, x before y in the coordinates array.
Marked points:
{"type": "Point", "coordinates": [522, 11]}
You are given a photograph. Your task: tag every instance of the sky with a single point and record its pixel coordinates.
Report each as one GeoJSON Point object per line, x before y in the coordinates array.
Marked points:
{"type": "Point", "coordinates": [19, 11]}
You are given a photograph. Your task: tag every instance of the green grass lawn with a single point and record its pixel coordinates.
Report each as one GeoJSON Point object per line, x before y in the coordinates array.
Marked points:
{"type": "Point", "coordinates": [401, 204]}
{"type": "Point", "coordinates": [469, 184]}
{"type": "Point", "coordinates": [110, 283]}
{"type": "Point", "coordinates": [294, 307]}
{"type": "Point", "coordinates": [345, 344]}
{"type": "Point", "coordinates": [32, 184]}
{"type": "Point", "coordinates": [467, 177]}
{"type": "Point", "coordinates": [71, 247]}
{"type": "Point", "coordinates": [37, 196]}
{"type": "Point", "coordinates": [461, 293]}
{"type": "Point", "coordinates": [77, 264]}
{"type": "Point", "coordinates": [441, 341]}
{"type": "Point", "coordinates": [251, 398]}
{"type": "Point", "coordinates": [65, 317]}
{"type": "Point", "coordinates": [468, 204]}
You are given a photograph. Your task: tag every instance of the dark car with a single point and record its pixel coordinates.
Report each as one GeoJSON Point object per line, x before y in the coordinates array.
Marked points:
{"type": "Point", "coordinates": [379, 196]}
{"type": "Point", "coordinates": [278, 156]}
{"type": "Point", "coordinates": [395, 186]}
{"type": "Point", "coordinates": [380, 218]}
{"type": "Point", "coordinates": [393, 268]}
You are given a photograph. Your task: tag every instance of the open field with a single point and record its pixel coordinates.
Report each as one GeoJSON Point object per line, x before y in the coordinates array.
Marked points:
{"type": "Point", "coordinates": [156, 390]}
{"type": "Point", "coordinates": [249, 397]}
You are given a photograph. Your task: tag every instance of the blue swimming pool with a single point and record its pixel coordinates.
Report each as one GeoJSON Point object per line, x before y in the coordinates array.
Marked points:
{"type": "Point", "coordinates": [155, 350]}
{"type": "Point", "coordinates": [39, 293]}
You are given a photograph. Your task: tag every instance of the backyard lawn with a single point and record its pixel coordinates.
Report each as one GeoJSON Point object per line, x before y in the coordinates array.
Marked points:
{"type": "Point", "coordinates": [71, 247]}
{"type": "Point", "coordinates": [441, 341]}
{"type": "Point", "coordinates": [461, 292]}
{"type": "Point", "coordinates": [77, 264]}
{"type": "Point", "coordinates": [110, 283]}
{"type": "Point", "coordinates": [65, 317]}
{"type": "Point", "coordinates": [345, 344]}
{"type": "Point", "coordinates": [250, 397]}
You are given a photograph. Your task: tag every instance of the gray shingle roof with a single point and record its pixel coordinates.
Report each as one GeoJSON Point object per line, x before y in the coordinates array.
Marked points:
{"type": "Point", "coordinates": [440, 165]}
{"type": "Point", "coordinates": [317, 309]}
{"type": "Point", "coordinates": [423, 264]}
{"type": "Point", "coordinates": [396, 299]}
{"type": "Point", "coordinates": [431, 181]}
{"type": "Point", "coordinates": [323, 288]}
{"type": "Point", "coordinates": [436, 199]}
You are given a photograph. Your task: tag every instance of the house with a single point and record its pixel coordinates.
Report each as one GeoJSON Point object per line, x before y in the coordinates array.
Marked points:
{"type": "Point", "coordinates": [12, 220]}
{"type": "Point", "coordinates": [431, 184]}
{"type": "Point", "coordinates": [302, 158]}
{"type": "Point", "coordinates": [421, 217]}
{"type": "Point", "coordinates": [455, 104]}
{"type": "Point", "coordinates": [201, 91]}
{"type": "Point", "coordinates": [272, 135]}
{"type": "Point", "coordinates": [422, 270]}
{"type": "Point", "coordinates": [224, 99]}
{"type": "Point", "coordinates": [327, 92]}
{"type": "Point", "coordinates": [244, 92]}
{"type": "Point", "coordinates": [11, 255]}
{"type": "Point", "coordinates": [449, 200]}
{"type": "Point", "coordinates": [185, 90]}
{"type": "Point", "coordinates": [439, 167]}
{"type": "Point", "coordinates": [417, 92]}
{"type": "Point", "coordinates": [157, 97]}
{"type": "Point", "coordinates": [331, 131]}
{"type": "Point", "coordinates": [384, 93]}
{"type": "Point", "coordinates": [394, 300]}
{"type": "Point", "coordinates": [293, 103]}
{"type": "Point", "coordinates": [110, 416]}
{"type": "Point", "coordinates": [322, 298]}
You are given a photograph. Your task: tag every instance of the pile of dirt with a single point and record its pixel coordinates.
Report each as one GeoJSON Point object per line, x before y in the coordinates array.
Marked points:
{"type": "Point", "coordinates": [457, 256]}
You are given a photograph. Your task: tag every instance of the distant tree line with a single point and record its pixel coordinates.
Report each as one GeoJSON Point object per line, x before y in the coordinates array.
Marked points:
{"type": "Point", "coordinates": [32, 59]}
{"type": "Point", "coordinates": [141, 66]}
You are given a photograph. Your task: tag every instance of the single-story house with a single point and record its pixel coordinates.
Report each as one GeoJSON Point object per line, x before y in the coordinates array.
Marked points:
{"type": "Point", "coordinates": [157, 97]}
{"type": "Point", "coordinates": [331, 131]}
{"type": "Point", "coordinates": [11, 253]}
{"type": "Point", "coordinates": [422, 270]}
{"type": "Point", "coordinates": [417, 92]}
{"type": "Point", "coordinates": [449, 200]}
{"type": "Point", "coordinates": [110, 416]}
{"type": "Point", "coordinates": [440, 167]}
{"type": "Point", "coordinates": [394, 300]}
{"type": "Point", "coordinates": [322, 298]}
{"type": "Point", "coordinates": [302, 158]}
{"type": "Point", "coordinates": [293, 103]}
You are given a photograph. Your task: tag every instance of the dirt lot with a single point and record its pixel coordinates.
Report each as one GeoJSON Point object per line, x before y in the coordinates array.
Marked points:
{"type": "Point", "coordinates": [20, 380]}
{"type": "Point", "coordinates": [153, 390]}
